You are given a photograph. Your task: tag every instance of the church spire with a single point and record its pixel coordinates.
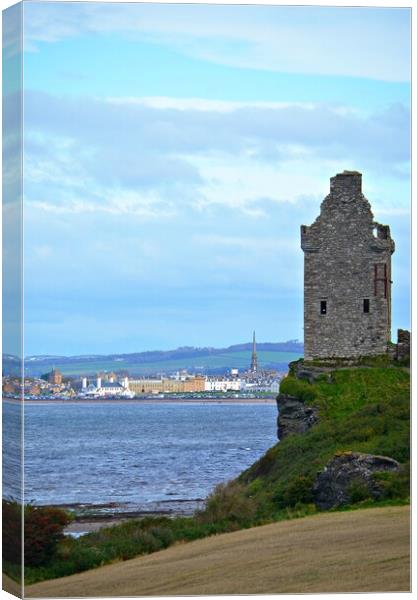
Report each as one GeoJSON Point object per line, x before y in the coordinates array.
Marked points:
{"type": "Point", "coordinates": [254, 361]}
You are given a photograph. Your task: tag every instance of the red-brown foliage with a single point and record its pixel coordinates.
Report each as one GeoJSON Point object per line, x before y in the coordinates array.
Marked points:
{"type": "Point", "coordinates": [43, 528]}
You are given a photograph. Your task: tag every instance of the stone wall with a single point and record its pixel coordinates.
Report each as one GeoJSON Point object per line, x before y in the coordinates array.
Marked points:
{"type": "Point", "coordinates": [403, 344]}
{"type": "Point", "coordinates": [347, 265]}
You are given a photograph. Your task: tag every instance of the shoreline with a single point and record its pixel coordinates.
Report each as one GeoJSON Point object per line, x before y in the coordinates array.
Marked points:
{"type": "Point", "coordinates": [82, 525]}
{"type": "Point", "coordinates": [90, 518]}
{"type": "Point", "coordinates": [182, 400]}
{"type": "Point", "coordinates": [95, 516]}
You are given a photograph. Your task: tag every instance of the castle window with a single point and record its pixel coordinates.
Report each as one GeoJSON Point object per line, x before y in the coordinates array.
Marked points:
{"type": "Point", "coordinates": [366, 305]}
{"type": "Point", "coordinates": [323, 307]}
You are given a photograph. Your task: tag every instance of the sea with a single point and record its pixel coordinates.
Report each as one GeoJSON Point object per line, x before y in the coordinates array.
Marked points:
{"type": "Point", "coordinates": [145, 457]}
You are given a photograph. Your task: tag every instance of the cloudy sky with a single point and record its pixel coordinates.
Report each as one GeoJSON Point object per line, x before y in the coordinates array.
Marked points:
{"type": "Point", "coordinates": [172, 152]}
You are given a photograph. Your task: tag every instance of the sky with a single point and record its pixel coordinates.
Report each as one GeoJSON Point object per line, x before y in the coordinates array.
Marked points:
{"type": "Point", "coordinates": [171, 153]}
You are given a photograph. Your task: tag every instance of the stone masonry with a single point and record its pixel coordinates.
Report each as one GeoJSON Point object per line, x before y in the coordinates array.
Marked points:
{"type": "Point", "coordinates": [403, 344]}
{"type": "Point", "coordinates": [347, 276]}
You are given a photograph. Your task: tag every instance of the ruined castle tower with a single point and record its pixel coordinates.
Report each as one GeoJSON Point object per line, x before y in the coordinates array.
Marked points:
{"type": "Point", "coordinates": [347, 275]}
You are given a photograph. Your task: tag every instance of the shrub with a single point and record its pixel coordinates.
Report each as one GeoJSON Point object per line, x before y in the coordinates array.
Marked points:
{"type": "Point", "coordinates": [228, 502]}
{"type": "Point", "coordinates": [299, 491]}
{"type": "Point", "coordinates": [255, 486]}
{"type": "Point", "coordinates": [164, 535]}
{"type": "Point", "coordinates": [394, 485]}
{"type": "Point", "coordinates": [43, 530]}
{"type": "Point", "coordinates": [12, 531]}
{"type": "Point", "coordinates": [358, 491]}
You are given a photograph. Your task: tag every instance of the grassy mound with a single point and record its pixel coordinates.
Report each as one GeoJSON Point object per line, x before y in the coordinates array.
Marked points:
{"type": "Point", "coordinates": [360, 410]}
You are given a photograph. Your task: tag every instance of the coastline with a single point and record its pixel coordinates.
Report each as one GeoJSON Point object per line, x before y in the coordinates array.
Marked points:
{"type": "Point", "coordinates": [92, 517]}
{"type": "Point", "coordinates": [178, 400]}
{"type": "Point", "coordinates": [88, 524]}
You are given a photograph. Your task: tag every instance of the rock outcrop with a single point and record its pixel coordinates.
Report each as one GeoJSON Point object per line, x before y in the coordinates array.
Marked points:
{"type": "Point", "coordinates": [311, 373]}
{"type": "Point", "coordinates": [350, 474]}
{"type": "Point", "coordinates": [294, 416]}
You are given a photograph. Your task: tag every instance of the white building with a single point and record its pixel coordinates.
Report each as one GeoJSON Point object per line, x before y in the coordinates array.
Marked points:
{"type": "Point", "coordinates": [107, 388]}
{"type": "Point", "coordinates": [222, 385]}
{"type": "Point", "coordinates": [274, 387]}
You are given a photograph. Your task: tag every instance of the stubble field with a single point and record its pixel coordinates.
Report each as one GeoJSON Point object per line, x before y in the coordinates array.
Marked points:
{"type": "Point", "coordinates": [357, 551]}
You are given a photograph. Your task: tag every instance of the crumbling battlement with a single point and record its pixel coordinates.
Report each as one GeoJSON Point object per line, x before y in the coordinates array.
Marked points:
{"type": "Point", "coordinates": [403, 344]}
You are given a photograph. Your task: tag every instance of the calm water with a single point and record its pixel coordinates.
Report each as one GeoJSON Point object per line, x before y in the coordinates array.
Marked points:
{"type": "Point", "coordinates": [139, 454]}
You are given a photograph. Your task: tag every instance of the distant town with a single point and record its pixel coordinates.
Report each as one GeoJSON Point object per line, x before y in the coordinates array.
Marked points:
{"type": "Point", "coordinates": [254, 382]}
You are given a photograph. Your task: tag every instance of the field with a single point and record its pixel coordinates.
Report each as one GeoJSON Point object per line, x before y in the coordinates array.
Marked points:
{"type": "Point", "coordinates": [356, 551]}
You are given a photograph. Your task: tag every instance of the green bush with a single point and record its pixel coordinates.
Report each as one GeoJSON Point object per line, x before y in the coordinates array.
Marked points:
{"type": "Point", "coordinates": [394, 485]}
{"type": "Point", "coordinates": [298, 491]}
{"type": "Point", "coordinates": [255, 486]}
{"type": "Point", "coordinates": [164, 536]}
{"type": "Point", "coordinates": [228, 502]}
{"type": "Point", "coordinates": [358, 491]}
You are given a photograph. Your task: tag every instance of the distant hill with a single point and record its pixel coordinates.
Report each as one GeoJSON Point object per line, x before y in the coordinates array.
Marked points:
{"type": "Point", "coordinates": [270, 355]}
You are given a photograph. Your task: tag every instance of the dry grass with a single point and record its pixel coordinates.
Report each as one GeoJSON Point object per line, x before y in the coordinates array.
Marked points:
{"type": "Point", "coordinates": [10, 586]}
{"type": "Point", "coordinates": [358, 551]}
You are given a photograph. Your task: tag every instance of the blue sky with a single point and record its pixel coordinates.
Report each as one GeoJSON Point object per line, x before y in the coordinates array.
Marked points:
{"type": "Point", "coordinates": [172, 152]}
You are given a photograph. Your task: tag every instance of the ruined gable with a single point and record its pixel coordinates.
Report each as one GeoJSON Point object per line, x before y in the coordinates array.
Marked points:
{"type": "Point", "coordinates": [347, 275]}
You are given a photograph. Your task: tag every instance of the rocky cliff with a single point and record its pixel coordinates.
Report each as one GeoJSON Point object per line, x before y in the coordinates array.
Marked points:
{"type": "Point", "coordinates": [294, 416]}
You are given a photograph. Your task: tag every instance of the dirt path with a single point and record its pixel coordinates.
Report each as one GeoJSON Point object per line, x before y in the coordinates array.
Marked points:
{"type": "Point", "coordinates": [359, 551]}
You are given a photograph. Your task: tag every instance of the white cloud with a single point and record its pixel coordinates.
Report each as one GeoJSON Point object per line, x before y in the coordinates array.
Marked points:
{"type": "Point", "coordinates": [157, 159]}
{"type": "Point", "coordinates": [115, 202]}
{"type": "Point", "coordinates": [257, 244]}
{"type": "Point", "coordinates": [245, 183]}
{"type": "Point", "coordinates": [359, 42]}
{"type": "Point", "coordinates": [206, 105]}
